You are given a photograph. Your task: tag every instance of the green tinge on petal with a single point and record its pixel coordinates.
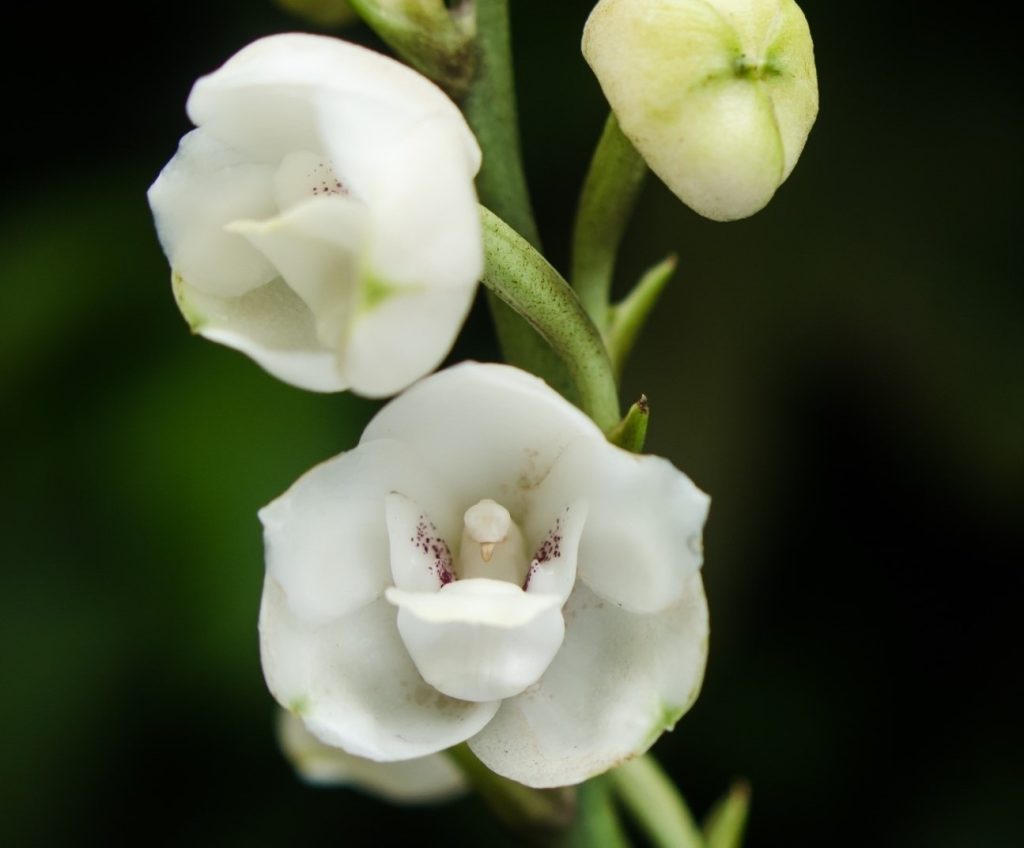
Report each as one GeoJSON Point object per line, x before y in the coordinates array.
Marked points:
{"type": "Point", "coordinates": [193, 317]}
{"type": "Point", "coordinates": [374, 290]}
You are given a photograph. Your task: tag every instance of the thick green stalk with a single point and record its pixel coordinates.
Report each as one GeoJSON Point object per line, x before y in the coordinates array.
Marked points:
{"type": "Point", "coordinates": [597, 823]}
{"type": "Point", "coordinates": [528, 283]}
{"type": "Point", "coordinates": [655, 804]}
{"type": "Point", "coordinates": [490, 109]}
{"type": "Point", "coordinates": [609, 195]}
{"type": "Point", "coordinates": [540, 814]}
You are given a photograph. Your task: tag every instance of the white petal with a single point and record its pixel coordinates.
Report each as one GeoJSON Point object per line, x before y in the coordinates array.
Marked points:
{"type": "Point", "coordinates": [315, 247]}
{"type": "Point", "coordinates": [288, 92]}
{"type": "Point", "coordinates": [642, 539]}
{"type": "Point", "coordinates": [424, 780]}
{"type": "Point", "coordinates": [401, 334]}
{"type": "Point", "coordinates": [619, 680]}
{"type": "Point", "coordinates": [555, 559]}
{"type": "Point", "coordinates": [326, 537]}
{"type": "Point", "coordinates": [205, 186]}
{"type": "Point", "coordinates": [420, 558]}
{"type": "Point", "coordinates": [505, 427]}
{"type": "Point", "coordinates": [479, 639]}
{"type": "Point", "coordinates": [353, 684]}
{"type": "Point", "coordinates": [426, 221]}
{"type": "Point", "coordinates": [271, 325]}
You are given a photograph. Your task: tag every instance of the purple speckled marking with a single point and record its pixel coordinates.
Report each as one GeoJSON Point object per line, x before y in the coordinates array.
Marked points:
{"type": "Point", "coordinates": [326, 182]}
{"type": "Point", "coordinates": [428, 541]}
{"type": "Point", "coordinates": [550, 548]}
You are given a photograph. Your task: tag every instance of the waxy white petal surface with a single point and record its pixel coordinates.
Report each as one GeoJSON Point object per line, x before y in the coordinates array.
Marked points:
{"type": "Point", "coordinates": [424, 780]}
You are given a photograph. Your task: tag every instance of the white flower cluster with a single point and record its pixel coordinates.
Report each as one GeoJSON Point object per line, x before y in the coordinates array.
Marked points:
{"type": "Point", "coordinates": [484, 567]}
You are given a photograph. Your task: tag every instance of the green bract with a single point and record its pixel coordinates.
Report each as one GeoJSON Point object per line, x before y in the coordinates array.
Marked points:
{"type": "Point", "coordinates": [718, 96]}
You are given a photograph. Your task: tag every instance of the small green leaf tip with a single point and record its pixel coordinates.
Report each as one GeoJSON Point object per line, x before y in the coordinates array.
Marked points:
{"type": "Point", "coordinates": [629, 316]}
{"type": "Point", "coordinates": [727, 821]}
{"type": "Point", "coordinates": [631, 432]}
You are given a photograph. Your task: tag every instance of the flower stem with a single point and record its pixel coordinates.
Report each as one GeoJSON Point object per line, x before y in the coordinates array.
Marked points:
{"type": "Point", "coordinates": [655, 804]}
{"type": "Point", "coordinates": [538, 813]}
{"type": "Point", "coordinates": [490, 109]}
{"type": "Point", "coordinates": [610, 191]}
{"type": "Point", "coordinates": [527, 282]}
{"type": "Point", "coordinates": [597, 823]}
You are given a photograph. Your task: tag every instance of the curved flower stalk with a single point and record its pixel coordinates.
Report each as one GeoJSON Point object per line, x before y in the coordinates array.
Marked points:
{"type": "Point", "coordinates": [485, 566]}
{"type": "Point", "coordinates": [718, 96]}
{"type": "Point", "coordinates": [424, 780]}
{"type": "Point", "coordinates": [322, 217]}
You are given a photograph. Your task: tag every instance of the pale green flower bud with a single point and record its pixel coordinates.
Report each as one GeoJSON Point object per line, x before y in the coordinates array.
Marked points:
{"type": "Point", "coordinates": [718, 96]}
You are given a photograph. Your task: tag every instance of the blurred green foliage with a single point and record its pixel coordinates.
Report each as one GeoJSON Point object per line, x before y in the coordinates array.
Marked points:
{"type": "Point", "coordinates": [844, 373]}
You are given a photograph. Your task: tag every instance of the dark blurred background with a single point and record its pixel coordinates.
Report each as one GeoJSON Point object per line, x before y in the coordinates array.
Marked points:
{"type": "Point", "coordinates": [844, 373]}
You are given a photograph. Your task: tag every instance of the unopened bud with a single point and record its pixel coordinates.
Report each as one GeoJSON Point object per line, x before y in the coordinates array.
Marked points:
{"type": "Point", "coordinates": [718, 96]}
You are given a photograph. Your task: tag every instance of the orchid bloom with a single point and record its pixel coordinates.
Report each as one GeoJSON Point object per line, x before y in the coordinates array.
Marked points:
{"type": "Point", "coordinates": [322, 218]}
{"type": "Point", "coordinates": [718, 96]}
{"type": "Point", "coordinates": [486, 567]}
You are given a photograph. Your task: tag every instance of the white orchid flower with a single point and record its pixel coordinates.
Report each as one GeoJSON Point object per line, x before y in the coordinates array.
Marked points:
{"type": "Point", "coordinates": [322, 217]}
{"type": "Point", "coordinates": [718, 96]}
{"type": "Point", "coordinates": [424, 780]}
{"type": "Point", "coordinates": [485, 566]}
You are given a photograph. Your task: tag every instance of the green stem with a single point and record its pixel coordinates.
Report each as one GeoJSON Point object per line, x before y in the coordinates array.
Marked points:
{"type": "Point", "coordinates": [537, 813]}
{"type": "Point", "coordinates": [527, 282]}
{"type": "Point", "coordinates": [597, 823]}
{"type": "Point", "coordinates": [655, 804]}
{"type": "Point", "coordinates": [490, 109]}
{"type": "Point", "coordinates": [609, 195]}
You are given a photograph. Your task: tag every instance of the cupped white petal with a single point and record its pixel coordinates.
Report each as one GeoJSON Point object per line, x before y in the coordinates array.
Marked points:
{"type": "Point", "coordinates": [271, 325]}
{"type": "Point", "coordinates": [315, 247]}
{"type": "Point", "coordinates": [205, 186]}
{"type": "Point", "coordinates": [424, 780]}
{"type": "Point", "coordinates": [292, 91]}
{"type": "Point", "coordinates": [555, 558]}
{"type": "Point", "coordinates": [327, 537]}
{"type": "Point", "coordinates": [479, 639]}
{"type": "Point", "coordinates": [399, 334]}
{"type": "Point", "coordinates": [426, 221]}
{"type": "Point", "coordinates": [642, 539]}
{"type": "Point", "coordinates": [504, 426]}
{"type": "Point", "coordinates": [353, 684]}
{"type": "Point", "coordinates": [420, 558]}
{"type": "Point", "coordinates": [619, 680]}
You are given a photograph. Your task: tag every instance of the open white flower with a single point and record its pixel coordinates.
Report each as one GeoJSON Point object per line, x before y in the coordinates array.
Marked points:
{"type": "Point", "coordinates": [485, 566]}
{"type": "Point", "coordinates": [718, 96]}
{"type": "Point", "coordinates": [322, 217]}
